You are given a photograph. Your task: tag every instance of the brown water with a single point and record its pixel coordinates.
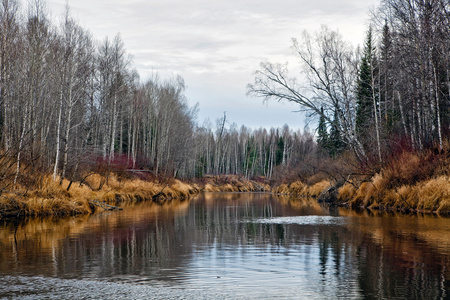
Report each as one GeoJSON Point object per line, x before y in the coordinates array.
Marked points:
{"type": "Point", "coordinates": [228, 246]}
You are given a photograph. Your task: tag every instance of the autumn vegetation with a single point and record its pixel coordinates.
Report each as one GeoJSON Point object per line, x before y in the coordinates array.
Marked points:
{"type": "Point", "coordinates": [383, 110]}
{"type": "Point", "coordinates": [80, 131]}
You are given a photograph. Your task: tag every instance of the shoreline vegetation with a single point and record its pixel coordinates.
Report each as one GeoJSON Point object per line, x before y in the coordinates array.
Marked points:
{"type": "Point", "coordinates": [96, 194]}
{"type": "Point", "coordinates": [81, 132]}
{"type": "Point", "coordinates": [411, 183]}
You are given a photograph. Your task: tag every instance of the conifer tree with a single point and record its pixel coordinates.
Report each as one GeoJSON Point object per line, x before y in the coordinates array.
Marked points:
{"type": "Point", "coordinates": [336, 145]}
{"type": "Point", "coordinates": [364, 111]}
{"type": "Point", "coordinates": [367, 116]}
{"type": "Point", "coordinates": [322, 134]}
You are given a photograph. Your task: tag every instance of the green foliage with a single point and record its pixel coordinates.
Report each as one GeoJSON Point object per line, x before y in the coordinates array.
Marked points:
{"type": "Point", "coordinates": [330, 144]}
{"type": "Point", "coordinates": [336, 145]}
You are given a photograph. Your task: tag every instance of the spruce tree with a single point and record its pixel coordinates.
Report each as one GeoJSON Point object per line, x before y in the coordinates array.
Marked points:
{"type": "Point", "coordinates": [322, 134]}
{"type": "Point", "coordinates": [335, 143]}
{"type": "Point", "coordinates": [364, 92]}
{"type": "Point", "coordinates": [367, 110]}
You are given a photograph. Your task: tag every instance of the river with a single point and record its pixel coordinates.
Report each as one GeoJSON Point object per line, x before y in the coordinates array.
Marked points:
{"type": "Point", "coordinates": [228, 246]}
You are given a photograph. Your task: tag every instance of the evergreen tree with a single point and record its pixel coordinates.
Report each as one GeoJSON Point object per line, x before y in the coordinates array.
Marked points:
{"type": "Point", "coordinates": [336, 145]}
{"type": "Point", "coordinates": [367, 110]}
{"type": "Point", "coordinates": [322, 134]}
{"type": "Point", "coordinates": [364, 92]}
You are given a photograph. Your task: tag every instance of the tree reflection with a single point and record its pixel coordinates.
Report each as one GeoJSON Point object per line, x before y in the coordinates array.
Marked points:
{"type": "Point", "coordinates": [376, 256]}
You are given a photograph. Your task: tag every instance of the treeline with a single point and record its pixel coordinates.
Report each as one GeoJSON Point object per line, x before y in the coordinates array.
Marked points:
{"type": "Point", "coordinates": [393, 95]}
{"type": "Point", "coordinates": [70, 105]}
{"type": "Point", "coordinates": [68, 100]}
{"type": "Point", "coordinates": [251, 153]}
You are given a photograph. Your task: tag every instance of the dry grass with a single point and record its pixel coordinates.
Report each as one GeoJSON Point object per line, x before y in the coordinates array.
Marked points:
{"type": "Point", "coordinates": [234, 183]}
{"type": "Point", "coordinates": [432, 195]}
{"type": "Point", "coordinates": [346, 192]}
{"type": "Point", "coordinates": [299, 189]}
{"type": "Point", "coordinates": [50, 198]}
{"type": "Point", "coordinates": [317, 189]}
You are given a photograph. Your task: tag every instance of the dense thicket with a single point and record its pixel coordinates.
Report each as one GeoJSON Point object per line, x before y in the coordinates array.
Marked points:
{"type": "Point", "coordinates": [391, 96]}
{"type": "Point", "coordinates": [70, 105]}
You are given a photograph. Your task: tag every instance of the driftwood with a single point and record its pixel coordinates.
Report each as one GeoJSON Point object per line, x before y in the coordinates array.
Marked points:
{"type": "Point", "coordinates": [330, 194]}
{"type": "Point", "coordinates": [104, 205]}
{"type": "Point", "coordinates": [156, 196]}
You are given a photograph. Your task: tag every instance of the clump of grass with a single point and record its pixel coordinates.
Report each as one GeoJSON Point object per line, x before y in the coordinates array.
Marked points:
{"type": "Point", "coordinates": [316, 189]}
{"type": "Point", "coordinates": [433, 194]}
{"type": "Point", "coordinates": [281, 189]}
{"type": "Point", "coordinates": [299, 189]}
{"type": "Point", "coordinates": [233, 183]}
{"type": "Point", "coordinates": [54, 197]}
{"type": "Point", "coordinates": [346, 192]}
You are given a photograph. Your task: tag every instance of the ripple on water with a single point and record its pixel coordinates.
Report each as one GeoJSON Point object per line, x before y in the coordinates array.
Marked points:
{"type": "Point", "coordinates": [302, 220]}
{"type": "Point", "coordinates": [21, 287]}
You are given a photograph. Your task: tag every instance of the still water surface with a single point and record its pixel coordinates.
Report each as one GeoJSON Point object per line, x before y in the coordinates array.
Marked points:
{"type": "Point", "coordinates": [228, 246]}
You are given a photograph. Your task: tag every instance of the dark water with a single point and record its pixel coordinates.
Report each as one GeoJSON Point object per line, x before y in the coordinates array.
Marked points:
{"type": "Point", "coordinates": [228, 246]}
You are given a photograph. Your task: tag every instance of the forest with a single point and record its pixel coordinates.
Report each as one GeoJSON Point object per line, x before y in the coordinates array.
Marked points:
{"type": "Point", "coordinates": [69, 102]}
{"type": "Point", "coordinates": [71, 105]}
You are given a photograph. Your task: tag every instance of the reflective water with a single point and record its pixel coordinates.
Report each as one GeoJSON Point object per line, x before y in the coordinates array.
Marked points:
{"type": "Point", "coordinates": [228, 246]}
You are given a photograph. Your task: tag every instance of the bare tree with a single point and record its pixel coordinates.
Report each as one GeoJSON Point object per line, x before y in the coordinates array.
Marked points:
{"type": "Point", "coordinates": [330, 67]}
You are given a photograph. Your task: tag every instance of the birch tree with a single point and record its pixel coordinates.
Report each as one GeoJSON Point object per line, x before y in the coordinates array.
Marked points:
{"type": "Point", "coordinates": [330, 69]}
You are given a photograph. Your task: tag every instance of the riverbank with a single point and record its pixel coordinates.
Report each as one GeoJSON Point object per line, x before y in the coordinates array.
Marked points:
{"type": "Point", "coordinates": [234, 183]}
{"type": "Point", "coordinates": [429, 196]}
{"type": "Point", "coordinates": [432, 195]}
{"type": "Point", "coordinates": [410, 183]}
{"type": "Point", "coordinates": [97, 193]}
{"type": "Point", "coordinates": [93, 194]}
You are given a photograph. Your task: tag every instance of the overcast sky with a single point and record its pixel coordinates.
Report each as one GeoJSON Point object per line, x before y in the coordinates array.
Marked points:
{"type": "Point", "coordinates": [217, 45]}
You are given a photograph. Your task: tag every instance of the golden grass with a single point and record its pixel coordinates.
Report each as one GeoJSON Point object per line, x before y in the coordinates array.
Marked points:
{"type": "Point", "coordinates": [346, 192]}
{"type": "Point", "coordinates": [432, 195]}
{"type": "Point", "coordinates": [317, 189]}
{"type": "Point", "coordinates": [233, 183]}
{"type": "Point", "coordinates": [299, 189]}
{"type": "Point", "coordinates": [50, 198]}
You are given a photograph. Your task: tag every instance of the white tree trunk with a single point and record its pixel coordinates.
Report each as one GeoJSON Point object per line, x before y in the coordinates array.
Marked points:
{"type": "Point", "coordinates": [58, 135]}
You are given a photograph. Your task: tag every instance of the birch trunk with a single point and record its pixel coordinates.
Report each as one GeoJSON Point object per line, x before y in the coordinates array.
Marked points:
{"type": "Point", "coordinates": [438, 110]}
{"type": "Point", "coordinates": [58, 135]}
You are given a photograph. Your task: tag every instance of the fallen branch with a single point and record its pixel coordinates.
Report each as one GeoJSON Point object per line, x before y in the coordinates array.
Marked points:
{"type": "Point", "coordinates": [155, 197]}
{"type": "Point", "coordinates": [104, 205]}
{"type": "Point", "coordinates": [330, 194]}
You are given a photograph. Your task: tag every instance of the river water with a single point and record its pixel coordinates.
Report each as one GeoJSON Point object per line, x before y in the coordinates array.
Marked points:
{"type": "Point", "coordinates": [228, 246]}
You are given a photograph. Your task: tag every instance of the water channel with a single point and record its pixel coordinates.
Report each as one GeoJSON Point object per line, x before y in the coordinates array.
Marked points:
{"type": "Point", "coordinates": [228, 246]}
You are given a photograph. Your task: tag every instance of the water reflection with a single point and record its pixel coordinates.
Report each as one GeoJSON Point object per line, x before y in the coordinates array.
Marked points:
{"type": "Point", "coordinates": [233, 246]}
